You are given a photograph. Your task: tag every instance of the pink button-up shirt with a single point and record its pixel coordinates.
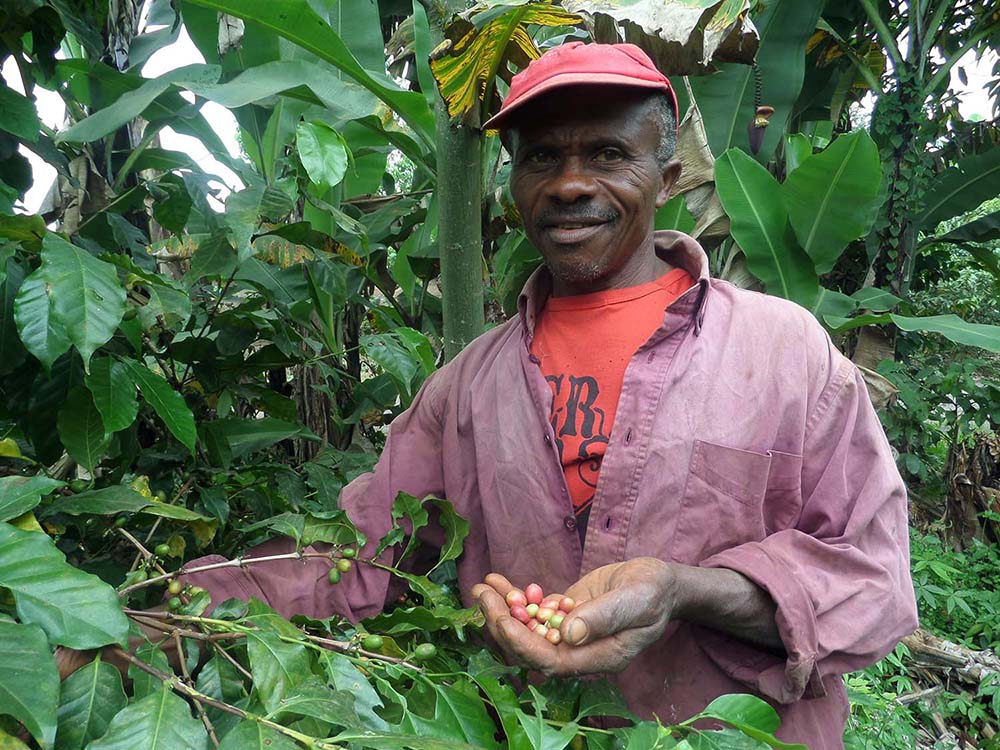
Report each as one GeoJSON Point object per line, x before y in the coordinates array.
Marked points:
{"type": "Point", "coordinates": [743, 439]}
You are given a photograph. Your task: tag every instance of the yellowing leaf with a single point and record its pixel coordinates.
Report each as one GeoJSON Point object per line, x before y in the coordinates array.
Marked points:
{"type": "Point", "coordinates": [177, 545]}
{"type": "Point", "coordinates": [9, 449]}
{"type": "Point", "coordinates": [204, 531]}
{"type": "Point", "coordinates": [141, 485]}
{"type": "Point", "coordinates": [482, 46]}
{"type": "Point", "coordinates": [27, 522]}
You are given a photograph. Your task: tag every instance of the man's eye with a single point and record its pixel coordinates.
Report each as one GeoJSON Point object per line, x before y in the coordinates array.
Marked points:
{"type": "Point", "coordinates": [539, 156]}
{"type": "Point", "coordinates": [608, 154]}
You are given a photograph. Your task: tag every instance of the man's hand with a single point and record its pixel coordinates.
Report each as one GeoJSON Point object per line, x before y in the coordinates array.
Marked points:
{"type": "Point", "coordinates": [621, 609]}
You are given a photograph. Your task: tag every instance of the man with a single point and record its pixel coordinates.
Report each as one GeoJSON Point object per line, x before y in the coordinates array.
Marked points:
{"type": "Point", "coordinates": [695, 463]}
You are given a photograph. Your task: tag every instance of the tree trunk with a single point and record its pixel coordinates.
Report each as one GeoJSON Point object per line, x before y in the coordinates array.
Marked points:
{"type": "Point", "coordinates": [460, 235]}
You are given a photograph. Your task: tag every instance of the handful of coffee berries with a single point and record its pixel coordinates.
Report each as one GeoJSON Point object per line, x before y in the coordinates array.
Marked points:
{"type": "Point", "coordinates": [541, 614]}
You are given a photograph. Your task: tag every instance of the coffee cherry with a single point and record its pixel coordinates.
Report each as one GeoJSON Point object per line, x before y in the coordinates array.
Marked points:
{"type": "Point", "coordinates": [174, 603]}
{"type": "Point", "coordinates": [343, 565]}
{"type": "Point", "coordinates": [533, 593]}
{"type": "Point", "coordinates": [372, 642]}
{"type": "Point", "coordinates": [541, 630]}
{"type": "Point", "coordinates": [425, 651]}
{"type": "Point", "coordinates": [516, 598]}
{"type": "Point", "coordinates": [175, 586]}
{"type": "Point", "coordinates": [553, 636]}
{"type": "Point", "coordinates": [556, 620]}
{"type": "Point", "coordinates": [333, 576]}
{"type": "Point", "coordinates": [550, 602]}
{"type": "Point", "coordinates": [532, 624]}
{"type": "Point", "coordinates": [349, 552]}
{"type": "Point", "coordinates": [544, 614]}
{"type": "Point", "coordinates": [532, 609]}
{"type": "Point", "coordinates": [520, 614]}
{"type": "Point", "coordinates": [567, 604]}
{"type": "Point", "coordinates": [162, 550]}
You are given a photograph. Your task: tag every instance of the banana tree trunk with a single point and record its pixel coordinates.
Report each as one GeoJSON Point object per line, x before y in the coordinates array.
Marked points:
{"type": "Point", "coordinates": [460, 236]}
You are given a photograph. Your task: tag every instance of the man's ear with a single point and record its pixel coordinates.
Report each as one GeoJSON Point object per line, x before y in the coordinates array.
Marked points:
{"type": "Point", "coordinates": [668, 178]}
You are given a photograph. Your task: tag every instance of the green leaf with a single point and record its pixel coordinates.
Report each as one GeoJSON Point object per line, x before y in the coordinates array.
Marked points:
{"type": "Point", "coordinates": [88, 700]}
{"type": "Point", "coordinates": [250, 435]}
{"type": "Point", "coordinates": [42, 335]}
{"type": "Point", "coordinates": [113, 392]}
{"type": "Point", "coordinates": [323, 152]}
{"type": "Point", "coordinates": [12, 352]}
{"type": "Point", "coordinates": [104, 502]}
{"type": "Point", "coordinates": [486, 671]}
{"type": "Point", "coordinates": [983, 229]}
{"type": "Point", "coordinates": [296, 21]}
{"type": "Point", "coordinates": [674, 215]}
{"type": "Point", "coordinates": [954, 329]}
{"type": "Point", "coordinates": [456, 529]}
{"type": "Point", "coordinates": [81, 429]}
{"type": "Point", "coordinates": [18, 495]}
{"type": "Point", "coordinates": [85, 302]}
{"type": "Point", "coordinates": [749, 714]}
{"type": "Point", "coordinates": [727, 98]}
{"type": "Point", "coordinates": [314, 699]}
{"type": "Point", "coordinates": [798, 148]}
{"type": "Point", "coordinates": [168, 404]}
{"type": "Point", "coordinates": [541, 735]}
{"type": "Point", "coordinates": [160, 721]}
{"type": "Point", "coordinates": [74, 608]}
{"type": "Point", "coordinates": [277, 667]}
{"type": "Point", "coordinates": [832, 198]}
{"type": "Point", "coordinates": [344, 676]}
{"type": "Point", "coordinates": [875, 299]}
{"type": "Point", "coordinates": [459, 715]}
{"type": "Point", "coordinates": [961, 188]}
{"type": "Point", "coordinates": [19, 116]}
{"type": "Point", "coordinates": [214, 256]}
{"type": "Point", "coordinates": [29, 681]}
{"type": "Point", "coordinates": [130, 104]}
{"type": "Point", "coordinates": [252, 735]}
{"type": "Point", "coordinates": [751, 198]}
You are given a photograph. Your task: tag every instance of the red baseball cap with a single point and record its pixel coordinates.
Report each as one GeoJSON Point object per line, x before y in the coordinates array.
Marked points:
{"type": "Point", "coordinates": [580, 64]}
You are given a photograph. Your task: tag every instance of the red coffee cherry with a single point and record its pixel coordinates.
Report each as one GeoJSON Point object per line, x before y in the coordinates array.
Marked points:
{"type": "Point", "coordinates": [515, 598]}
{"type": "Point", "coordinates": [520, 614]}
{"type": "Point", "coordinates": [566, 604]}
{"type": "Point", "coordinates": [553, 636]}
{"type": "Point", "coordinates": [533, 593]}
{"type": "Point", "coordinates": [545, 614]}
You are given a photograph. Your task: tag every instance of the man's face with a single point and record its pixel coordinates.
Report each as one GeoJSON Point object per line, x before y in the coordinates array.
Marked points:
{"type": "Point", "coordinates": [586, 181]}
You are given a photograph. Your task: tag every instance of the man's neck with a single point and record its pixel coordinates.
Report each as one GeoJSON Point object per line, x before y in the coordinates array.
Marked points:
{"type": "Point", "coordinates": [643, 267]}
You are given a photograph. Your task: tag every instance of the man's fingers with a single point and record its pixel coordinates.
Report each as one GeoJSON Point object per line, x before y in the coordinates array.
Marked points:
{"type": "Point", "coordinates": [500, 584]}
{"type": "Point", "coordinates": [606, 615]}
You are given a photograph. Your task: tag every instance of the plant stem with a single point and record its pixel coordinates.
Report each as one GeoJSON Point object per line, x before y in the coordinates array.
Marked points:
{"type": "Point", "coordinates": [182, 658]}
{"type": "Point", "coordinates": [178, 686]}
{"type": "Point", "coordinates": [883, 31]}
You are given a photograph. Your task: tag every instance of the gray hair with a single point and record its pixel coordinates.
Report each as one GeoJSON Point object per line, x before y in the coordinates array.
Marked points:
{"type": "Point", "coordinates": [663, 111]}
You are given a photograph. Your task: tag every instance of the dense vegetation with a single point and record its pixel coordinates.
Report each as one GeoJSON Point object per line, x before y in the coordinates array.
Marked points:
{"type": "Point", "coordinates": [184, 371]}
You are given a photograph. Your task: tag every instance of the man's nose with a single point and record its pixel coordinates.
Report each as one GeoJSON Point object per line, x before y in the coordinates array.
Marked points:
{"type": "Point", "coordinates": [571, 183]}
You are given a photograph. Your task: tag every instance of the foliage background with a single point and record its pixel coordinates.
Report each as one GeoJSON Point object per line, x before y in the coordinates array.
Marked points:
{"type": "Point", "coordinates": [183, 374]}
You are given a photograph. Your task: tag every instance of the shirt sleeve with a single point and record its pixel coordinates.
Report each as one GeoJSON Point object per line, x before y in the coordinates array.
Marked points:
{"type": "Point", "coordinates": [410, 462]}
{"type": "Point", "coordinates": [841, 576]}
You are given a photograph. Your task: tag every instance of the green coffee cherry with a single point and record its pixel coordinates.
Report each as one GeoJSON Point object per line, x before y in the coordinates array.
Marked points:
{"type": "Point", "coordinates": [372, 642]}
{"type": "Point", "coordinates": [343, 565]}
{"type": "Point", "coordinates": [349, 552]}
{"type": "Point", "coordinates": [425, 651]}
{"type": "Point", "coordinates": [333, 576]}
{"type": "Point", "coordinates": [175, 587]}
{"type": "Point", "coordinates": [162, 549]}
{"type": "Point", "coordinates": [174, 603]}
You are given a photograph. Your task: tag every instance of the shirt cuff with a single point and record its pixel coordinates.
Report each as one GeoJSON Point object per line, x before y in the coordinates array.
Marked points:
{"type": "Point", "coordinates": [787, 679]}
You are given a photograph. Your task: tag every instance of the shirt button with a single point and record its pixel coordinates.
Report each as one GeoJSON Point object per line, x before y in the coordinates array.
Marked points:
{"type": "Point", "coordinates": [547, 439]}
{"type": "Point", "coordinates": [570, 523]}
{"type": "Point", "coordinates": [534, 359]}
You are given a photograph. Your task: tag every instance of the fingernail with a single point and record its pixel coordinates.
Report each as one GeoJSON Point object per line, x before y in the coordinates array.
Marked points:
{"type": "Point", "coordinates": [577, 631]}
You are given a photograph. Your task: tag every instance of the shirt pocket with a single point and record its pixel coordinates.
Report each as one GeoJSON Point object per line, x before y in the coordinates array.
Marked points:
{"type": "Point", "coordinates": [734, 496]}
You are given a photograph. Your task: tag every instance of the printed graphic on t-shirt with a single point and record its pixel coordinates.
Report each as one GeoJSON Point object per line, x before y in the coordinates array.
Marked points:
{"type": "Point", "coordinates": [582, 428]}
{"type": "Point", "coordinates": [584, 344]}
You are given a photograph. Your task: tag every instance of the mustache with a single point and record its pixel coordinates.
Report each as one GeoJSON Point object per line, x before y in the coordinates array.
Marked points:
{"type": "Point", "coordinates": [552, 216]}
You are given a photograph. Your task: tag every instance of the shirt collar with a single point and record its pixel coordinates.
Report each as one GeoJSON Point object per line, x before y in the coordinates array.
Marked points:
{"type": "Point", "coordinates": [676, 248]}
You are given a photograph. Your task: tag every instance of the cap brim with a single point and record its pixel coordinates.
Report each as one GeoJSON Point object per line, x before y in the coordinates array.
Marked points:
{"type": "Point", "coordinates": [502, 119]}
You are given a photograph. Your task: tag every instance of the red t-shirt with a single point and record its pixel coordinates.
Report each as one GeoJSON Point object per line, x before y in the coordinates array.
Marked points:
{"type": "Point", "coordinates": [584, 344]}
